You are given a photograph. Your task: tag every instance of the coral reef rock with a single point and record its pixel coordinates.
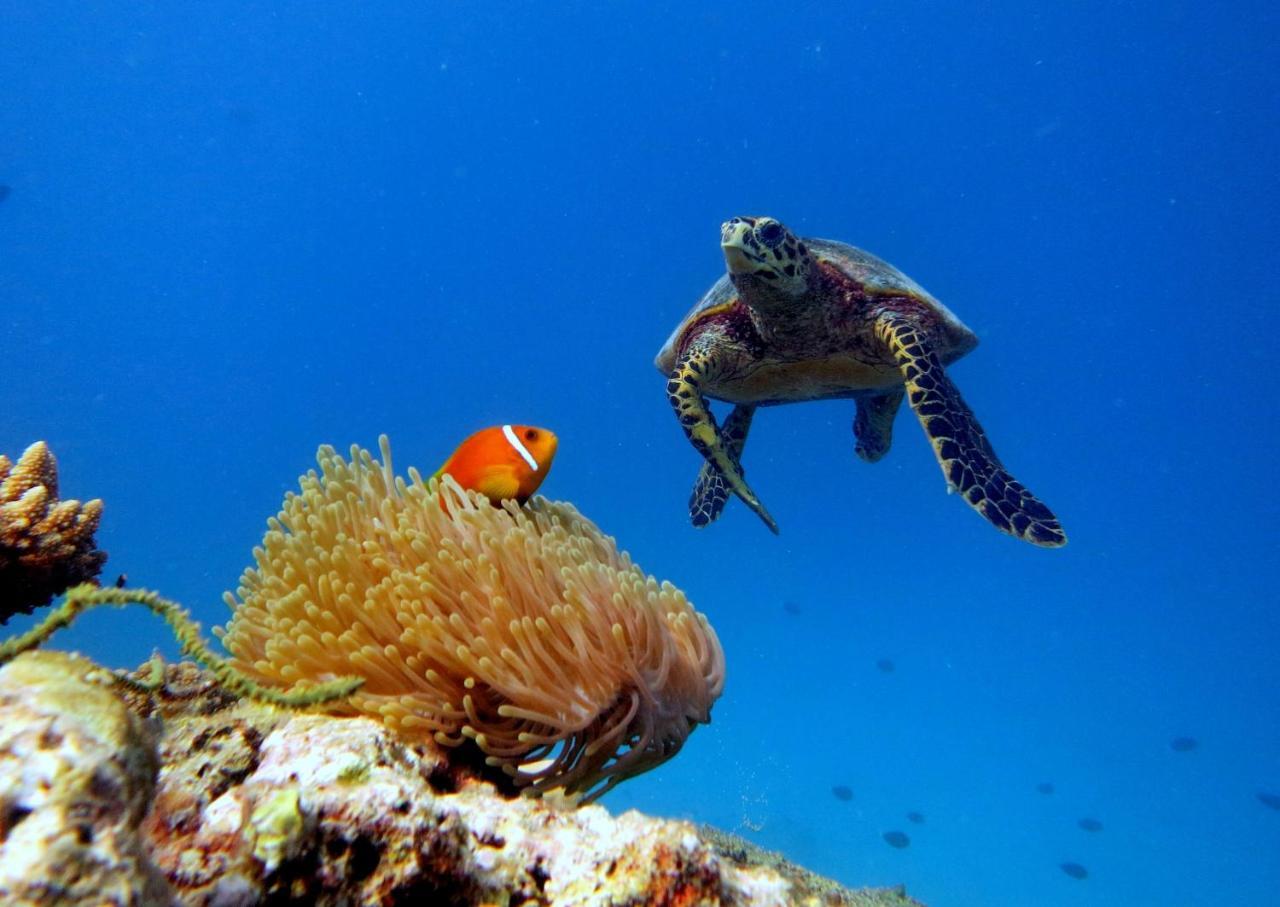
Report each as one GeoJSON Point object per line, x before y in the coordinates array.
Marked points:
{"type": "Point", "coordinates": [182, 794]}
{"type": "Point", "coordinates": [46, 545]}
{"type": "Point", "coordinates": [77, 774]}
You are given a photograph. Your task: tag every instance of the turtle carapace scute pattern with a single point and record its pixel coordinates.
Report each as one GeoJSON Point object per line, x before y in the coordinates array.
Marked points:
{"type": "Point", "coordinates": [810, 319]}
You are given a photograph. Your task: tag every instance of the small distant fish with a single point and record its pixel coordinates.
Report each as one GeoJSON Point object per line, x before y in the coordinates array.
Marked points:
{"type": "Point", "coordinates": [1045, 787]}
{"type": "Point", "coordinates": [1089, 824]}
{"type": "Point", "coordinates": [244, 116]}
{"type": "Point", "coordinates": [840, 792]}
{"type": "Point", "coordinates": [1048, 129]}
{"type": "Point", "coordinates": [1183, 744]}
{"type": "Point", "coordinates": [791, 608]}
{"type": "Point", "coordinates": [1269, 800]}
{"type": "Point", "coordinates": [504, 462]}
{"type": "Point", "coordinates": [886, 666]}
{"type": "Point", "coordinates": [896, 839]}
{"type": "Point", "coordinates": [917, 818]}
{"type": "Point", "coordinates": [4, 191]}
{"type": "Point", "coordinates": [1075, 870]}
{"type": "Point", "coordinates": [121, 580]}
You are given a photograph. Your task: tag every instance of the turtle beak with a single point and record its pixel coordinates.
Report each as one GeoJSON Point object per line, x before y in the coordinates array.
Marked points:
{"type": "Point", "coordinates": [734, 236]}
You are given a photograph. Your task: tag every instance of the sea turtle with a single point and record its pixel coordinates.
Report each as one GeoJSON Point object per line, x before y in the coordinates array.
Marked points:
{"type": "Point", "coordinates": [813, 319]}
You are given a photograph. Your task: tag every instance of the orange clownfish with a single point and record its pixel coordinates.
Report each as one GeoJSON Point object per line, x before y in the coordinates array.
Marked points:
{"type": "Point", "coordinates": [503, 462]}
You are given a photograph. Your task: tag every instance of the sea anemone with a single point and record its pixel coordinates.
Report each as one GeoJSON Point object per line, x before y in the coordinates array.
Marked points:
{"type": "Point", "coordinates": [46, 545]}
{"type": "Point", "coordinates": [521, 630]}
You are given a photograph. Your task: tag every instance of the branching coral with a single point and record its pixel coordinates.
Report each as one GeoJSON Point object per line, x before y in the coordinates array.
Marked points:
{"type": "Point", "coordinates": [521, 629]}
{"type": "Point", "coordinates": [46, 545]}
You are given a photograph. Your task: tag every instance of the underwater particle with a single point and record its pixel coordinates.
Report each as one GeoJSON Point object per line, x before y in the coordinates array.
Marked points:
{"type": "Point", "coordinates": [841, 792]}
{"type": "Point", "coordinates": [791, 608]}
{"type": "Point", "coordinates": [1090, 824]}
{"type": "Point", "coordinates": [1183, 744]}
{"type": "Point", "coordinates": [885, 666]}
{"type": "Point", "coordinates": [1272, 801]}
{"type": "Point", "coordinates": [1045, 787]}
{"type": "Point", "coordinates": [1075, 870]}
{"type": "Point", "coordinates": [915, 817]}
{"type": "Point", "coordinates": [896, 839]}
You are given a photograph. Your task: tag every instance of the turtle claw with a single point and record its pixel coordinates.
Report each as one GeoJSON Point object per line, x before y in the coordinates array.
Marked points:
{"type": "Point", "coordinates": [768, 520]}
{"type": "Point", "coordinates": [749, 498]}
{"type": "Point", "coordinates": [700, 520]}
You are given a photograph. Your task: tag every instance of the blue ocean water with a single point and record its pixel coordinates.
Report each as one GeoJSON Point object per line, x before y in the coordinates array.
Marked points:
{"type": "Point", "coordinates": [235, 233]}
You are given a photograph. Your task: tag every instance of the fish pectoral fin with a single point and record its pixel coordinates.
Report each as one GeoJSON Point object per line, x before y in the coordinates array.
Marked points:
{"type": "Point", "coordinates": [968, 461]}
{"type": "Point", "coordinates": [873, 424]}
{"type": "Point", "coordinates": [498, 485]}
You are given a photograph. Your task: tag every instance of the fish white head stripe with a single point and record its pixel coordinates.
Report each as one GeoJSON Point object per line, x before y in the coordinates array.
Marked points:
{"type": "Point", "coordinates": [520, 448]}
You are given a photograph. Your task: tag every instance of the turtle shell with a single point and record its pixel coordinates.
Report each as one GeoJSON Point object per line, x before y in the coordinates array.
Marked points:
{"type": "Point", "coordinates": [876, 275]}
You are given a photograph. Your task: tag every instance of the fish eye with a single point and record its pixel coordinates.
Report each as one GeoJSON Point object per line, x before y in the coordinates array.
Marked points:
{"type": "Point", "coordinates": [771, 234]}
{"type": "Point", "coordinates": [531, 434]}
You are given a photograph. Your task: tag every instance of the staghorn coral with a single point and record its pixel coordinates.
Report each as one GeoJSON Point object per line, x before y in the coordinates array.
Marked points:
{"type": "Point", "coordinates": [520, 629]}
{"type": "Point", "coordinates": [46, 545]}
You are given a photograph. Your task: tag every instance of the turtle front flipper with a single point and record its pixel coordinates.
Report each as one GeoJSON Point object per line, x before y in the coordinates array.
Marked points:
{"type": "Point", "coordinates": [873, 424]}
{"type": "Point", "coordinates": [710, 491]}
{"type": "Point", "coordinates": [684, 390]}
{"type": "Point", "coordinates": [964, 453]}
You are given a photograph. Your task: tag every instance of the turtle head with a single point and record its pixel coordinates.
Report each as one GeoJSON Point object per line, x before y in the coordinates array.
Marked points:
{"type": "Point", "coordinates": [762, 252]}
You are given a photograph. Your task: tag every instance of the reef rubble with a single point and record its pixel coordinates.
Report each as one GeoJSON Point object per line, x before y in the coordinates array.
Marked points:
{"type": "Point", "coordinates": [165, 789]}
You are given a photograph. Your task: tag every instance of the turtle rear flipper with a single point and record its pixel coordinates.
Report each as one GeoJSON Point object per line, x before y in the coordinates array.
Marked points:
{"type": "Point", "coordinates": [873, 424]}
{"type": "Point", "coordinates": [684, 391]}
{"type": "Point", "coordinates": [964, 453]}
{"type": "Point", "coordinates": [710, 491]}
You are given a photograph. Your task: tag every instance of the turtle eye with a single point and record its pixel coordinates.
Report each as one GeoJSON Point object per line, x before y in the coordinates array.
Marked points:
{"type": "Point", "coordinates": [771, 234]}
